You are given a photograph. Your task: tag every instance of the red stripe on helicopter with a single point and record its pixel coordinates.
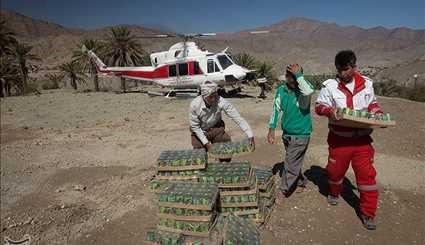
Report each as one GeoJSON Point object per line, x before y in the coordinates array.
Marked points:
{"type": "Point", "coordinates": [160, 72]}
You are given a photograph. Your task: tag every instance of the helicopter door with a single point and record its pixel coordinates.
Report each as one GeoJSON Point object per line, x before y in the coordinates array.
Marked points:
{"type": "Point", "coordinates": [172, 75]}
{"type": "Point", "coordinates": [214, 72]}
{"type": "Point", "coordinates": [183, 77]}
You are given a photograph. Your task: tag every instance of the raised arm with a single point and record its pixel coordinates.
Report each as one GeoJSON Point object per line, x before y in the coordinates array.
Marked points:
{"type": "Point", "coordinates": [306, 88]}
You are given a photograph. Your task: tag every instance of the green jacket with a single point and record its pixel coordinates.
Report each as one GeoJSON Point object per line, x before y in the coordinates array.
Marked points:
{"type": "Point", "coordinates": [294, 105]}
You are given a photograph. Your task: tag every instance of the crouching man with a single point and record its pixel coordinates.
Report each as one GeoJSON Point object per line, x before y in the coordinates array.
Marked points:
{"type": "Point", "coordinates": [206, 124]}
{"type": "Point", "coordinates": [292, 102]}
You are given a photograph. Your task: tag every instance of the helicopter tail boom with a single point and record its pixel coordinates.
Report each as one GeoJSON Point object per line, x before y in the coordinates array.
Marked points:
{"type": "Point", "coordinates": [99, 63]}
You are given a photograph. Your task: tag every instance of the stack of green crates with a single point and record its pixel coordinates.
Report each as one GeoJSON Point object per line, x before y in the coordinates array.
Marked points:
{"type": "Point", "coordinates": [238, 187]}
{"type": "Point", "coordinates": [188, 208]}
{"type": "Point", "coordinates": [163, 238]}
{"type": "Point", "coordinates": [181, 165]}
{"type": "Point", "coordinates": [230, 148]}
{"type": "Point", "coordinates": [238, 230]}
{"type": "Point", "coordinates": [266, 186]}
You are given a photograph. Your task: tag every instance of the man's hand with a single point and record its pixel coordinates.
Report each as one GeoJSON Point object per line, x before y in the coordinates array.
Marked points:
{"type": "Point", "coordinates": [294, 68]}
{"type": "Point", "coordinates": [252, 143]}
{"type": "Point", "coordinates": [208, 146]}
{"type": "Point", "coordinates": [271, 136]}
{"type": "Point", "coordinates": [335, 115]}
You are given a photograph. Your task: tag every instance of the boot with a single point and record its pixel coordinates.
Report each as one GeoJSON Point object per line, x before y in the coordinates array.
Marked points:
{"type": "Point", "coordinates": [368, 222]}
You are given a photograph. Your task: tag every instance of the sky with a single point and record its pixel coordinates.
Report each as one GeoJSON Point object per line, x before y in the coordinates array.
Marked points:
{"type": "Point", "coordinates": [220, 15]}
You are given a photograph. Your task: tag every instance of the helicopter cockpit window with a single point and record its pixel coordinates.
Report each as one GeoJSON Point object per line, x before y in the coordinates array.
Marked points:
{"type": "Point", "coordinates": [216, 67]}
{"type": "Point", "coordinates": [224, 61]}
{"type": "Point", "coordinates": [183, 69]}
{"type": "Point", "coordinates": [212, 66]}
{"type": "Point", "coordinates": [172, 72]}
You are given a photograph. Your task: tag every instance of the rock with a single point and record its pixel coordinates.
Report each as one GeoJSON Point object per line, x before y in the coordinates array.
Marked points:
{"type": "Point", "coordinates": [80, 187]}
{"type": "Point", "coordinates": [127, 119]}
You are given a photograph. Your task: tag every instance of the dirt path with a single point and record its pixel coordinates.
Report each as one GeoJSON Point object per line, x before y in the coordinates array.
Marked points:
{"type": "Point", "coordinates": [75, 169]}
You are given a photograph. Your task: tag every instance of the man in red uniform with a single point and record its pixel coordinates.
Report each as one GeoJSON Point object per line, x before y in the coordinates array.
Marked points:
{"type": "Point", "coordinates": [350, 90]}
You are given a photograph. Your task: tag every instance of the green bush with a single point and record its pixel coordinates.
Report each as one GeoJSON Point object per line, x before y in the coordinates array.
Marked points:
{"type": "Point", "coordinates": [32, 87]}
{"type": "Point", "coordinates": [391, 89]}
{"type": "Point", "coordinates": [52, 81]}
{"type": "Point", "coordinates": [46, 85]}
{"type": "Point", "coordinates": [317, 80]}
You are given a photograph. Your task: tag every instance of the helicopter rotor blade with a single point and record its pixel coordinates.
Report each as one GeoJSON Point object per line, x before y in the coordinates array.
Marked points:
{"type": "Point", "coordinates": [259, 32]}
{"type": "Point", "coordinates": [157, 36]}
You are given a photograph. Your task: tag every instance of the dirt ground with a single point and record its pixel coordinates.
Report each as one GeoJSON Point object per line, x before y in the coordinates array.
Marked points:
{"type": "Point", "coordinates": [75, 169]}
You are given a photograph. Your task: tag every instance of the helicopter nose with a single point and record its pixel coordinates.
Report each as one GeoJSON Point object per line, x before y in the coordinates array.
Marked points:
{"type": "Point", "coordinates": [239, 72]}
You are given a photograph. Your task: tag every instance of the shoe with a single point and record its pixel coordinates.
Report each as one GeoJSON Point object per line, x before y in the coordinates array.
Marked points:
{"type": "Point", "coordinates": [368, 222]}
{"type": "Point", "coordinates": [332, 200]}
{"type": "Point", "coordinates": [280, 197]}
{"type": "Point", "coordinates": [300, 189]}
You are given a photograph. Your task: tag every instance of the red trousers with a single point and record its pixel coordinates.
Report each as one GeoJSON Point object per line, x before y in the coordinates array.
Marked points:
{"type": "Point", "coordinates": [359, 151]}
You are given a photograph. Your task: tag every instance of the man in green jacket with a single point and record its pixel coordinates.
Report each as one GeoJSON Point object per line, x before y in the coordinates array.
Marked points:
{"type": "Point", "coordinates": [292, 101]}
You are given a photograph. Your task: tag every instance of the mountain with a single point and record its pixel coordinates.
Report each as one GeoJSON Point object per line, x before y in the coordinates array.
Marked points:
{"type": "Point", "coordinates": [27, 27]}
{"type": "Point", "coordinates": [309, 42]}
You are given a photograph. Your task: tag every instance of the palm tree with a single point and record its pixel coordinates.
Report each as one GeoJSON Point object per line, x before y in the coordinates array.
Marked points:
{"type": "Point", "coordinates": [74, 71]}
{"type": "Point", "coordinates": [7, 39]}
{"type": "Point", "coordinates": [122, 49]}
{"type": "Point", "coordinates": [246, 60]}
{"type": "Point", "coordinates": [265, 69]}
{"type": "Point", "coordinates": [22, 54]}
{"type": "Point", "coordinates": [86, 62]}
{"type": "Point", "coordinates": [9, 75]}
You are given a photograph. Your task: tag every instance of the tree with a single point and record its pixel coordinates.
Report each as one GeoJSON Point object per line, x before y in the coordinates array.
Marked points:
{"type": "Point", "coordinates": [87, 64]}
{"type": "Point", "coordinates": [122, 49]}
{"type": "Point", "coordinates": [74, 71]}
{"type": "Point", "coordinates": [9, 75]}
{"type": "Point", "coordinates": [265, 69]}
{"type": "Point", "coordinates": [387, 88]}
{"type": "Point", "coordinates": [23, 57]}
{"type": "Point", "coordinates": [246, 60]}
{"type": "Point", "coordinates": [7, 39]}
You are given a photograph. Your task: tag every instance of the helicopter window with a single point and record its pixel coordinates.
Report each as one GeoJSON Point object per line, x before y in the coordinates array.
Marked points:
{"type": "Point", "coordinates": [216, 67]}
{"type": "Point", "coordinates": [172, 71]}
{"type": "Point", "coordinates": [224, 61]}
{"type": "Point", "coordinates": [196, 68]}
{"type": "Point", "coordinates": [183, 69]}
{"type": "Point", "coordinates": [210, 66]}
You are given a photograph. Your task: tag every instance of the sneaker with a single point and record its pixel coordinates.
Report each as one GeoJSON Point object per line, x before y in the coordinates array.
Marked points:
{"type": "Point", "coordinates": [280, 197]}
{"type": "Point", "coordinates": [332, 200]}
{"type": "Point", "coordinates": [368, 222]}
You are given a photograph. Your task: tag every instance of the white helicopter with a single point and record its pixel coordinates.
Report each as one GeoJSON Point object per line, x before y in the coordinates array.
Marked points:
{"type": "Point", "coordinates": [183, 66]}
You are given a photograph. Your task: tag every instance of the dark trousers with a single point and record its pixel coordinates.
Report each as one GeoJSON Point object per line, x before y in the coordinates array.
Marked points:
{"type": "Point", "coordinates": [214, 135]}
{"type": "Point", "coordinates": [292, 175]}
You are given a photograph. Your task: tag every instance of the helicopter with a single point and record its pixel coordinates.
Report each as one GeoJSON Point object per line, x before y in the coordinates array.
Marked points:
{"type": "Point", "coordinates": [184, 66]}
